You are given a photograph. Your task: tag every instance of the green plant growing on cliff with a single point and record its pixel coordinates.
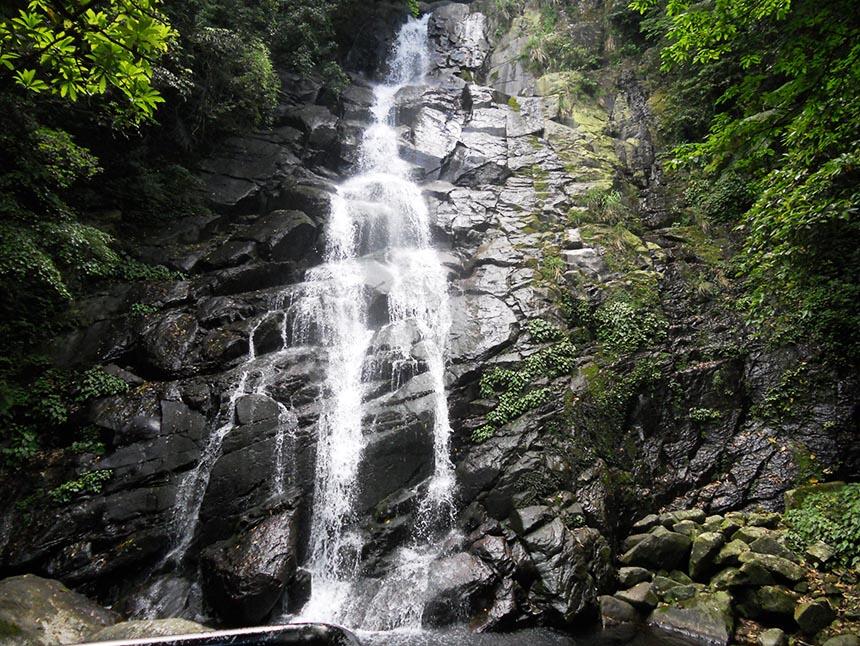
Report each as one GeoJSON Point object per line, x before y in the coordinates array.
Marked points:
{"type": "Point", "coordinates": [704, 415]}
{"type": "Point", "coordinates": [623, 327]}
{"type": "Point", "coordinates": [512, 388]}
{"type": "Point", "coordinates": [90, 482]}
{"type": "Point", "coordinates": [787, 121]}
{"type": "Point", "coordinates": [780, 402]}
{"type": "Point", "coordinates": [832, 516]}
{"type": "Point", "coordinates": [95, 383]}
{"type": "Point", "coordinates": [542, 331]}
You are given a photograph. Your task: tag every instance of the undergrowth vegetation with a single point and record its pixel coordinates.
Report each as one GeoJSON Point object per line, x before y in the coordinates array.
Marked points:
{"type": "Point", "coordinates": [831, 516]}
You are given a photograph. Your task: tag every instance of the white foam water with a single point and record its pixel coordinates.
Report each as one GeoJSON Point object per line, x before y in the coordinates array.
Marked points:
{"type": "Point", "coordinates": [379, 234]}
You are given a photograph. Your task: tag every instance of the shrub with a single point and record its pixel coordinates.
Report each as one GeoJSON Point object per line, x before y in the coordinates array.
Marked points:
{"type": "Point", "coordinates": [624, 327]}
{"type": "Point", "coordinates": [91, 482]}
{"type": "Point", "coordinates": [829, 516]}
{"type": "Point", "coordinates": [702, 415]}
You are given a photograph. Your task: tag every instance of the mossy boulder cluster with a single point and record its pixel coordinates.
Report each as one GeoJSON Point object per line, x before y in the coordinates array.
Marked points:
{"type": "Point", "coordinates": [732, 578]}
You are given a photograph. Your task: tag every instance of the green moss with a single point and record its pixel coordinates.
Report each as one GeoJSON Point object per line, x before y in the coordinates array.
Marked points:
{"type": "Point", "coordinates": [514, 104]}
{"type": "Point", "coordinates": [9, 630]}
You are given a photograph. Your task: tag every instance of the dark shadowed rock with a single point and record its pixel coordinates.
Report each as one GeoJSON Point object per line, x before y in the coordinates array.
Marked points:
{"type": "Point", "coordinates": [244, 577]}
{"type": "Point", "coordinates": [814, 616]}
{"type": "Point", "coordinates": [660, 549]}
{"type": "Point", "coordinates": [615, 612]}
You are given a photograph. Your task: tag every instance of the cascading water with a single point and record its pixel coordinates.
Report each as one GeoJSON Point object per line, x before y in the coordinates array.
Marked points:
{"type": "Point", "coordinates": [379, 232]}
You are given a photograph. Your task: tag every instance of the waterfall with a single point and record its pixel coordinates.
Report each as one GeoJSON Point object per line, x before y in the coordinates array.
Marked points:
{"type": "Point", "coordinates": [378, 233]}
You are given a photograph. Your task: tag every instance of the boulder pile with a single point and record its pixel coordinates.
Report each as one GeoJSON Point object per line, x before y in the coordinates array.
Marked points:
{"type": "Point", "coordinates": [730, 578]}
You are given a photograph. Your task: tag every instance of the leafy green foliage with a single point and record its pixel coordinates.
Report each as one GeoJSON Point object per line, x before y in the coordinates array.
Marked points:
{"type": "Point", "coordinates": [623, 327]}
{"type": "Point", "coordinates": [829, 516]}
{"type": "Point", "coordinates": [513, 388]}
{"type": "Point", "coordinates": [542, 331]}
{"type": "Point", "coordinates": [780, 402]}
{"type": "Point", "coordinates": [74, 49]}
{"type": "Point", "coordinates": [550, 47]}
{"type": "Point", "coordinates": [90, 482]}
{"type": "Point", "coordinates": [38, 405]}
{"type": "Point", "coordinates": [787, 121]}
{"type": "Point", "coordinates": [95, 383]}
{"type": "Point", "coordinates": [704, 415]}
{"type": "Point", "coordinates": [236, 87]}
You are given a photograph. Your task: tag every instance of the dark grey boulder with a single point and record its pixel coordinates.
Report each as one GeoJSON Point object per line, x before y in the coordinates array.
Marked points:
{"type": "Point", "coordinates": [456, 587]}
{"type": "Point", "coordinates": [641, 596]}
{"type": "Point", "coordinates": [283, 234]}
{"type": "Point", "coordinates": [631, 575]}
{"type": "Point", "coordinates": [615, 612]}
{"type": "Point", "coordinates": [814, 616]}
{"type": "Point", "coordinates": [256, 408]}
{"type": "Point", "coordinates": [245, 576]}
{"type": "Point", "coordinates": [660, 549]}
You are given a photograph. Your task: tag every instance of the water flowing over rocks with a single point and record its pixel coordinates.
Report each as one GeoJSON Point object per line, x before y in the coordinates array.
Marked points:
{"type": "Point", "coordinates": [303, 401]}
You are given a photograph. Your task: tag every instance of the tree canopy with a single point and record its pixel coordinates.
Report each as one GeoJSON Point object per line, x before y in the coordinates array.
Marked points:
{"type": "Point", "coordinates": [86, 48]}
{"type": "Point", "coordinates": [787, 124]}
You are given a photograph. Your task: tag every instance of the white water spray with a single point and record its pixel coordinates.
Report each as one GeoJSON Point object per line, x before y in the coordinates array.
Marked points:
{"type": "Point", "coordinates": [379, 232]}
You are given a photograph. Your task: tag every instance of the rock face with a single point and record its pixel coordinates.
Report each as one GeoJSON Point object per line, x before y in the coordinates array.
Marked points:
{"type": "Point", "coordinates": [36, 611]}
{"type": "Point", "coordinates": [509, 164]}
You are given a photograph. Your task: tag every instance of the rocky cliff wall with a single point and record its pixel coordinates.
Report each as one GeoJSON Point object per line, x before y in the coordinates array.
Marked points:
{"type": "Point", "coordinates": [611, 384]}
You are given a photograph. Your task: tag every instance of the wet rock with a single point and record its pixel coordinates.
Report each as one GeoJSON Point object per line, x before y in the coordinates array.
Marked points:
{"type": "Point", "coordinates": [660, 549]}
{"type": "Point", "coordinates": [147, 629]}
{"type": "Point", "coordinates": [528, 518]}
{"type": "Point", "coordinates": [615, 612]}
{"type": "Point", "coordinates": [632, 540]}
{"type": "Point", "coordinates": [630, 576]}
{"type": "Point", "coordinates": [779, 567]}
{"type": "Point", "coordinates": [707, 618]}
{"type": "Point", "coordinates": [641, 596]}
{"type": "Point", "coordinates": [36, 611]}
{"type": "Point", "coordinates": [457, 584]}
{"type": "Point", "coordinates": [769, 601]}
{"type": "Point", "coordinates": [167, 342]}
{"type": "Point", "coordinates": [570, 566]}
{"type": "Point", "coordinates": [256, 408]}
{"type": "Point", "coordinates": [495, 551]}
{"type": "Point", "coordinates": [705, 548]}
{"type": "Point", "coordinates": [814, 616]}
{"type": "Point", "coordinates": [244, 577]}
{"type": "Point", "coordinates": [284, 234]}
